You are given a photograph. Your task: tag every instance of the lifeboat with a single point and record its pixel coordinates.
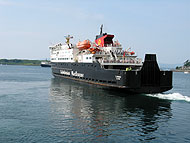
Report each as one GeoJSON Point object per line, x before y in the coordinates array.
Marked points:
{"type": "Point", "coordinates": [132, 53]}
{"type": "Point", "coordinates": [128, 53]}
{"type": "Point", "coordinates": [93, 50]}
{"type": "Point", "coordinates": [83, 45]}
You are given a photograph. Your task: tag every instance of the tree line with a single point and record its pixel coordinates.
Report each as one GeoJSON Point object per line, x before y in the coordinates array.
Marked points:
{"type": "Point", "coordinates": [20, 62]}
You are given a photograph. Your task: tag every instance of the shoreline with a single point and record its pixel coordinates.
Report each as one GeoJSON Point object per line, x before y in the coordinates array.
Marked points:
{"type": "Point", "coordinates": [181, 71]}
{"type": "Point", "coordinates": [16, 65]}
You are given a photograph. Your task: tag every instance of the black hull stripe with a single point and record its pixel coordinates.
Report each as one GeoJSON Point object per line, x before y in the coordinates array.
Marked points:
{"type": "Point", "coordinates": [101, 84]}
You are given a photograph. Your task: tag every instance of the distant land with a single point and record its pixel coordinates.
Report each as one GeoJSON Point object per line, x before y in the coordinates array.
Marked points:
{"type": "Point", "coordinates": [169, 66]}
{"type": "Point", "coordinates": [20, 62]}
{"type": "Point", "coordinates": [184, 68]}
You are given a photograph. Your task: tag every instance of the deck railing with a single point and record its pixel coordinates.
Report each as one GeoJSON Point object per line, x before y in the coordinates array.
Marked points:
{"type": "Point", "coordinates": [132, 61]}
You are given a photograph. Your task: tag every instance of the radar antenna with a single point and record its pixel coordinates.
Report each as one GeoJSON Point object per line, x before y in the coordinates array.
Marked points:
{"type": "Point", "coordinates": [68, 39]}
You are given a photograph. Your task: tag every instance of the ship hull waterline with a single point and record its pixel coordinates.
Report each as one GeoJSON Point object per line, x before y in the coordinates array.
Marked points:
{"type": "Point", "coordinates": [123, 89]}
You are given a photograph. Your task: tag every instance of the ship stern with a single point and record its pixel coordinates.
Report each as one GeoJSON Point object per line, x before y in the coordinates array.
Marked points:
{"type": "Point", "coordinates": [150, 79]}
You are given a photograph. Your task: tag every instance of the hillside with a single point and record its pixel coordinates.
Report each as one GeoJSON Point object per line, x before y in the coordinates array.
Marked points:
{"type": "Point", "coordinates": [20, 62]}
{"type": "Point", "coordinates": [185, 67]}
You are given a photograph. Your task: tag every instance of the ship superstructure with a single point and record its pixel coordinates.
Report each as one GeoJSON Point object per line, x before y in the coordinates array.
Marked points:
{"type": "Point", "coordinates": [106, 63]}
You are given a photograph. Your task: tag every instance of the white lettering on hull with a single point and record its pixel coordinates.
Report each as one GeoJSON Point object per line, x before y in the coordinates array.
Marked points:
{"type": "Point", "coordinates": [65, 72]}
{"type": "Point", "coordinates": [76, 74]}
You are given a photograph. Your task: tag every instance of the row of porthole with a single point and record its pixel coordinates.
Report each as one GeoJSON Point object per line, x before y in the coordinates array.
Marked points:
{"type": "Point", "coordinates": [103, 81]}
{"type": "Point", "coordinates": [65, 58]}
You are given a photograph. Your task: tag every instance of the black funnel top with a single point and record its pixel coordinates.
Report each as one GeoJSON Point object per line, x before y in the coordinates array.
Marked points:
{"type": "Point", "coordinates": [150, 71]}
{"type": "Point", "coordinates": [150, 57]}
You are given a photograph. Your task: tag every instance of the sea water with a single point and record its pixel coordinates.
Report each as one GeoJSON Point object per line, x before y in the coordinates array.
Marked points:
{"type": "Point", "coordinates": [35, 107]}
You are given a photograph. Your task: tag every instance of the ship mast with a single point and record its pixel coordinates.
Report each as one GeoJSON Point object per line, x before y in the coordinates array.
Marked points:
{"type": "Point", "coordinates": [101, 28]}
{"type": "Point", "coordinates": [68, 39]}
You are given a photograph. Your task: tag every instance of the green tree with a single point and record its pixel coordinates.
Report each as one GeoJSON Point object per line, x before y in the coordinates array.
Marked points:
{"type": "Point", "coordinates": [187, 63]}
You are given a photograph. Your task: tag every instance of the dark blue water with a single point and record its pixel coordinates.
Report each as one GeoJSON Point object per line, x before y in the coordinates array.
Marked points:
{"type": "Point", "coordinates": [35, 107]}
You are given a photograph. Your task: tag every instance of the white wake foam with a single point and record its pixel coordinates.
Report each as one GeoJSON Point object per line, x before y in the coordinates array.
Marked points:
{"type": "Point", "coordinates": [172, 96]}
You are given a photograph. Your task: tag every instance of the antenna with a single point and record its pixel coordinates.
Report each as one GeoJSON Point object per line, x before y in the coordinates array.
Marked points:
{"type": "Point", "coordinates": [101, 28]}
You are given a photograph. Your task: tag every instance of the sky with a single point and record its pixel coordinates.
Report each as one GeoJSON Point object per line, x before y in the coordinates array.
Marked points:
{"type": "Point", "coordinates": [160, 27]}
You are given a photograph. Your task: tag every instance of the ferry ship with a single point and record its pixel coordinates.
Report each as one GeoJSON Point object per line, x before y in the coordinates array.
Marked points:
{"type": "Point", "coordinates": [105, 63]}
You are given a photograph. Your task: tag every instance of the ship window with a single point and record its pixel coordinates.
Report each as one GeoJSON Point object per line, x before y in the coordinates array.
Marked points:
{"type": "Point", "coordinates": [87, 58]}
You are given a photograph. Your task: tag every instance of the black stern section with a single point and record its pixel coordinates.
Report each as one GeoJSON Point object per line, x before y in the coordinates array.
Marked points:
{"type": "Point", "coordinates": [151, 78]}
{"type": "Point", "coordinates": [150, 72]}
